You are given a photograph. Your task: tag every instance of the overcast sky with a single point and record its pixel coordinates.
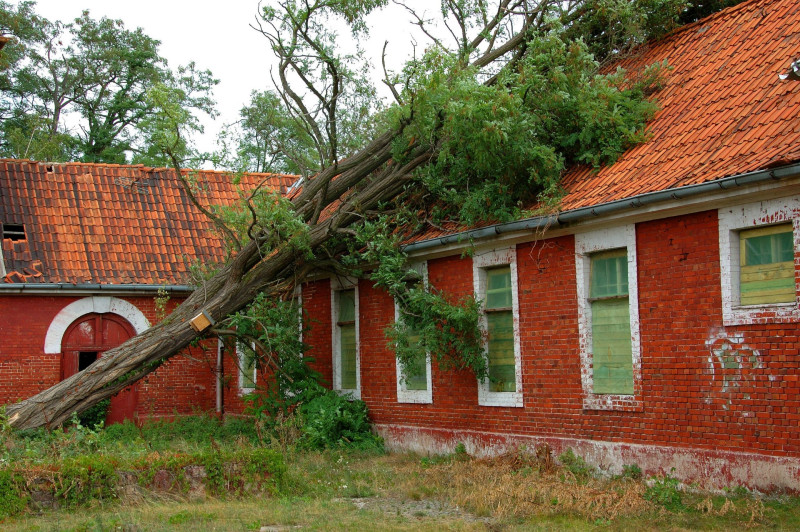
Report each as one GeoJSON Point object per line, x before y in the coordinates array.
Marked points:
{"type": "Point", "coordinates": [217, 36]}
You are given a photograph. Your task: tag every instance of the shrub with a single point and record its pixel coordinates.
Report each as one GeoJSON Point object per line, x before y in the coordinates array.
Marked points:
{"type": "Point", "coordinates": [664, 492]}
{"type": "Point", "coordinates": [12, 497]}
{"type": "Point", "coordinates": [87, 478]}
{"type": "Point", "coordinates": [575, 464]}
{"type": "Point", "coordinates": [333, 420]}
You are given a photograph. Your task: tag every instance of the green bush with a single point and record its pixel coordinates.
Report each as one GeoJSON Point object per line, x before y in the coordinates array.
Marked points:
{"type": "Point", "coordinates": [87, 478]}
{"type": "Point", "coordinates": [664, 492]}
{"type": "Point", "coordinates": [333, 420]}
{"type": "Point", "coordinates": [95, 415]}
{"type": "Point", "coordinates": [575, 464]}
{"type": "Point", "coordinates": [13, 499]}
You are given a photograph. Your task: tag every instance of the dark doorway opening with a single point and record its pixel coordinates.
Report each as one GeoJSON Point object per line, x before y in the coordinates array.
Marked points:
{"type": "Point", "coordinates": [85, 359]}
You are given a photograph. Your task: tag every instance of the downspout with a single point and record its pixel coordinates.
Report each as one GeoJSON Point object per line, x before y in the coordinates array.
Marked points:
{"type": "Point", "coordinates": [220, 373]}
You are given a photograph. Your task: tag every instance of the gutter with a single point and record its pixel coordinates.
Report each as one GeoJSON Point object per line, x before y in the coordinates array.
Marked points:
{"type": "Point", "coordinates": [71, 289]}
{"type": "Point", "coordinates": [612, 207]}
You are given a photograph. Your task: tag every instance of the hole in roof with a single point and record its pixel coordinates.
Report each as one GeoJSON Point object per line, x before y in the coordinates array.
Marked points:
{"type": "Point", "coordinates": [14, 231]}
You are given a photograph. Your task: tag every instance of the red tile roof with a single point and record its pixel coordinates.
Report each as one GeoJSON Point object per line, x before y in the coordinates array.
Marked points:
{"type": "Point", "coordinates": [110, 224]}
{"type": "Point", "coordinates": [724, 111]}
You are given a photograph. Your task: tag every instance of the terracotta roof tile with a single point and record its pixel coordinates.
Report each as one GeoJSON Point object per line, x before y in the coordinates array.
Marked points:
{"type": "Point", "coordinates": [724, 110]}
{"type": "Point", "coordinates": [99, 223]}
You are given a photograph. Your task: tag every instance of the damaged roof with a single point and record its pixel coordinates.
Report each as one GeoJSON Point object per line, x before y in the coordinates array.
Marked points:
{"type": "Point", "coordinates": [724, 110]}
{"type": "Point", "coordinates": [84, 223]}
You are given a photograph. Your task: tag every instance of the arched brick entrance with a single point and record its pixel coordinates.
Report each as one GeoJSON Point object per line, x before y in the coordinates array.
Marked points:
{"type": "Point", "coordinates": [86, 339]}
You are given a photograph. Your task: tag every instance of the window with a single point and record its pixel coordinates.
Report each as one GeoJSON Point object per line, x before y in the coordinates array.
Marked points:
{"type": "Point", "coordinates": [345, 338]}
{"type": "Point", "coordinates": [500, 329]}
{"type": "Point", "coordinates": [495, 278]}
{"type": "Point", "coordinates": [248, 370]}
{"type": "Point", "coordinates": [611, 323]}
{"type": "Point", "coordinates": [608, 318]}
{"type": "Point", "coordinates": [766, 261]}
{"type": "Point", "coordinates": [759, 244]}
{"type": "Point", "coordinates": [414, 384]}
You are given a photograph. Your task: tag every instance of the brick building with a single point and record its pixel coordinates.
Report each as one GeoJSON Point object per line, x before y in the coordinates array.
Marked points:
{"type": "Point", "coordinates": [85, 250]}
{"type": "Point", "coordinates": [654, 320]}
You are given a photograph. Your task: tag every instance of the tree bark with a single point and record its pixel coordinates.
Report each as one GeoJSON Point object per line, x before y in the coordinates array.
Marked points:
{"type": "Point", "coordinates": [229, 290]}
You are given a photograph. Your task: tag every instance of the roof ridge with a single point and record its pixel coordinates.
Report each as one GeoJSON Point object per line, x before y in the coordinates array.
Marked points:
{"type": "Point", "coordinates": [144, 168]}
{"type": "Point", "coordinates": [717, 14]}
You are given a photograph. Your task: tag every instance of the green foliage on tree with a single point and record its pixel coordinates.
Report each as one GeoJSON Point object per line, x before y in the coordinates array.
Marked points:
{"type": "Point", "coordinates": [80, 90]}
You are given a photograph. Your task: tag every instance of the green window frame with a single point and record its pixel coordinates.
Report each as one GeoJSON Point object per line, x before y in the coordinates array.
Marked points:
{"type": "Point", "coordinates": [499, 311]}
{"type": "Point", "coordinates": [347, 345]}
{"type": "Point", "coordinates": [766, 265]}
{"type": "Point", "coordinates": [612, 350]}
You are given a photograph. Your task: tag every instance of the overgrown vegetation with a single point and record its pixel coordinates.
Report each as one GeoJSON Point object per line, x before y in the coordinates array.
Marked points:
{"type": "Point", "coordinates": [250, 482]}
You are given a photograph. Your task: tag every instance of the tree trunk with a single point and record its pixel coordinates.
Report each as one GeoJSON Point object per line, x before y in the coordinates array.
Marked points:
{"type": "Point", "coordinates": [230, 290]}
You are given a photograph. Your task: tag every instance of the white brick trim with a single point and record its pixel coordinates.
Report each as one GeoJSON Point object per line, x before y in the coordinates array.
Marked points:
{"type": "Point", "coordinates": [585, 245]}
{"type": "Point", "coordinates": [481, 261]}
{"type": "Point", "coordinates": [90, 305]}
{"type": "Point", "coordinates": [748, 216]}
{"type": "Point", "coordinates": [414, 396]}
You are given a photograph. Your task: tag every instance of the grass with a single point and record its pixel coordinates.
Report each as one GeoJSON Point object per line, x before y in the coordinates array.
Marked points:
{"type": "Point", "coordinates": [345, 490]}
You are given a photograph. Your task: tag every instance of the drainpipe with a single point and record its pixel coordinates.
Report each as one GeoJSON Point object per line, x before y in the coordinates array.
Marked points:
{"type": "Point", "coordinates": [220, 373]}
{"type": "Point", "coordinates": [585, 213]}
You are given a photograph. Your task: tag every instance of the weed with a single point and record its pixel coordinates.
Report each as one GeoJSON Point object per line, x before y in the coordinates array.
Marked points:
{"type": "Point", "coordinates": [632, 471]}
{"type": "Point", "coordinates": [664, 492]}
{"type": "Point", "coordinates": [13, 499]}
{"type": "Point", "coordinates": [575, 465]}
{"type": "Point", "coordinates": [86, 478]}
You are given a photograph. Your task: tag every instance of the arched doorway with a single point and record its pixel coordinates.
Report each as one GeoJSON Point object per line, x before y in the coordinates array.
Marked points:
{"type": "Point", "coordinates": [86, 339]}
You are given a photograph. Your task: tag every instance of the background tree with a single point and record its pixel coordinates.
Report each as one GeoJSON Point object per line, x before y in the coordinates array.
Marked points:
{"type": "Point", "coordinates": [483, 123]}
{"type": "Point", "coordinates": [95, 73]}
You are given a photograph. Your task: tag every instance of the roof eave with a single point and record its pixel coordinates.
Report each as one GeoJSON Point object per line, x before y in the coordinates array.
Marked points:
{"type": "Point", "coordinates": [542, 223]}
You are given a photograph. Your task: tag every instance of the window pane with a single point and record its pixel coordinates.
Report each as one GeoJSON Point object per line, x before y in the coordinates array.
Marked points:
{"type": "Point", "coordinates": [416, 375]}
{"type": "Point", "coordinates": [347, 360]}
{"type": "Point", "coordinates": [611, 347]}
{"type": "Point", "coordinates": [767, 265]}
{"type": "Point", "coordinates": [609, 275]}
{"type": "Point", "coordinates": [248, 368]}
{"type": "Point", "coordinates": [347, 305]}
{"type": "Point", "coordinates": [501, 351]}
{"type": "Point", "coordinates": [498, 288]}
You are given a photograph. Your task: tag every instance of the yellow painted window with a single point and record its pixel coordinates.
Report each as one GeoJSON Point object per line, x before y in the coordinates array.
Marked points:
{"type": "Point", "coordinates": [500, 328]}
{"type": "Point", "coordinates": [766, 265]}
{"type": "Point", "coordinates": [612, 359]}
{"type": "Point", "coordinates": [347, 339]}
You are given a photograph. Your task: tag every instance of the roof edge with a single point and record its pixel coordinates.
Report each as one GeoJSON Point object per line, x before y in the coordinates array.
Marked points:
{"type": "Point", "coordinates": [612, 207]}
{"type": "Point", "coordinates": [93, 288]}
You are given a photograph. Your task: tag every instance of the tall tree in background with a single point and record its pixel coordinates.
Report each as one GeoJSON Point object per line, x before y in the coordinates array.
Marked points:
{"type": "Point", "coordinates": [484, 122]}
{"type": "Point", "coordinates": [95, 73]}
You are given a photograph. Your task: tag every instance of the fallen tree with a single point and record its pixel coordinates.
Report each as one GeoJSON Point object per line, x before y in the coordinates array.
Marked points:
{"type": "Point", "coordinates": [481, 129]}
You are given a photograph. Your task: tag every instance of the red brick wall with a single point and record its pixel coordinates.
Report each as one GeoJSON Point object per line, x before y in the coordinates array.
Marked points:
{"type": "Point", "coordinates": [689, 398]}
{"type": "Point", "coordinates": [183, 385]}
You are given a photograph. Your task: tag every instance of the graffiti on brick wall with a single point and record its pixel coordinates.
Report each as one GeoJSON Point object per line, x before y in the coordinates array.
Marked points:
{"type": "Point", "coordinates": [732, 363]}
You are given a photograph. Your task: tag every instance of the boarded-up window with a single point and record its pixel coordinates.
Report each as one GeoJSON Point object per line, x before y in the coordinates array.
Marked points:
{"type": "Point", "coordinates": [500, 328]}
{"type": "Point", "coordinates": [347, 339]}
{"type": "Point", "coordinates": [611, 323]}
{"type": "Point", "coordinates": [767, 265]}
